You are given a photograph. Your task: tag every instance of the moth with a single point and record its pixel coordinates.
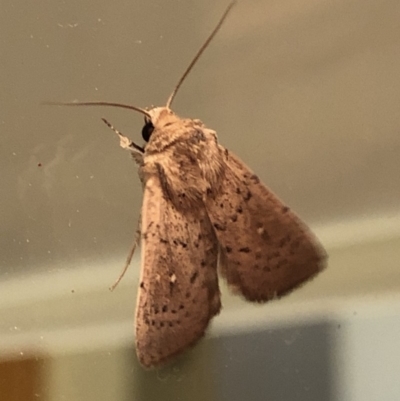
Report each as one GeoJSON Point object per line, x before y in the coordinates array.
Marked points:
{"type": "Point", "coordinates": [204, 211]}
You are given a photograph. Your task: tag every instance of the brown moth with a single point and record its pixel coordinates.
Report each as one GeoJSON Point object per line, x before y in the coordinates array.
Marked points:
{"type": "Point", "coordinates": [203, 208]}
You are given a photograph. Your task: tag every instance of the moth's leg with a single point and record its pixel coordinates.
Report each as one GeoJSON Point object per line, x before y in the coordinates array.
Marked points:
{"type": "Point", "coordinates": [130, 255]}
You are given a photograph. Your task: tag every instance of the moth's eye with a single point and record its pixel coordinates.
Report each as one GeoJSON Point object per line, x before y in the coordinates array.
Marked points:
{"type": "Point", "coordinates": [147, 130]}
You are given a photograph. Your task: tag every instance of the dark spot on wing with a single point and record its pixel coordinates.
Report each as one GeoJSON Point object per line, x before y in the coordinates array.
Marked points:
{"type": "Point", "coordinates": [245, 249]}
{"type": "Point", "coordinates": [179, 242]}
{"type": "Point", "coordinates": [193, 277]}
{"type": "Point", "coordinates": [265, 235]}
{"type": "Point", "coordinates": [248, 196]}
{"type": "Point", "coordinates": [220, 227]}
{"type": "Point", "coordinates": [171, 287]}
{"type": "Point", "coordinates": [200, 135]}
{"type": "Point", "coordinates": [255, 179]}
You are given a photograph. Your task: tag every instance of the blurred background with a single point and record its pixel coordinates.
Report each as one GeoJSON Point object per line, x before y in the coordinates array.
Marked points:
{"type": "Point", "coordinates": [307, 93]}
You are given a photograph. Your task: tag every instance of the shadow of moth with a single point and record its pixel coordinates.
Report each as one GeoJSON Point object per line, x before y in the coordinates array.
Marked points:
{"type": "Point", "coordinates": [203, 208]}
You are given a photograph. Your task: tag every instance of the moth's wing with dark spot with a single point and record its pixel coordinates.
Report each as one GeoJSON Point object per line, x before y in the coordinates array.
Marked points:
{"type": "Point", "coordinates": [178, 290]}
{"type": "Point", "coordinates": [266, 250]}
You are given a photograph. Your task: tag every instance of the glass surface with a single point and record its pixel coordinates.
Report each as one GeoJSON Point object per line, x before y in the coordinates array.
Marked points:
{"type": "Point", "coordinates": [306, 93]}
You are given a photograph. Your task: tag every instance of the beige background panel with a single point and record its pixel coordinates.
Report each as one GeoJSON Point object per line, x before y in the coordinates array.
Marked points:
{"type": "Point", "coordinates": [307, 93]}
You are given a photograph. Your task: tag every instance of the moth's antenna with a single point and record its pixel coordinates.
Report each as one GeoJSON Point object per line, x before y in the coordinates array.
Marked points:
{"type": "Point", "coordinates": [123, 106]}
{"type": "Point", "coordinates": [199, 53]}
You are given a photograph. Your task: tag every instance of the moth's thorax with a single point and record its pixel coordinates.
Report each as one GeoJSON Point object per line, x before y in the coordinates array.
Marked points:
{"type": "Point", "coordinates": [184, 154]}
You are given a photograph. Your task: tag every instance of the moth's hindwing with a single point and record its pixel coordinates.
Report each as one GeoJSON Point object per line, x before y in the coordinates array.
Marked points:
{"type": "Point", "coordinates": [265, 249]}
{"type": "Point", "coordinates": [178, 292]}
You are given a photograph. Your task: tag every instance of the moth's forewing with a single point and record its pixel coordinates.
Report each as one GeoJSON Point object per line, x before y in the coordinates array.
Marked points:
{"type": "Point", "coordinates": [266, 250]}
{"type": "Point", "coordinates": [178, 291]}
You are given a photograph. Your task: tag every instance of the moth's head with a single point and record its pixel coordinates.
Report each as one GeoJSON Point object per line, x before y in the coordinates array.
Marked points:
{"type": "Point", "coordinates": [157, 118]}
